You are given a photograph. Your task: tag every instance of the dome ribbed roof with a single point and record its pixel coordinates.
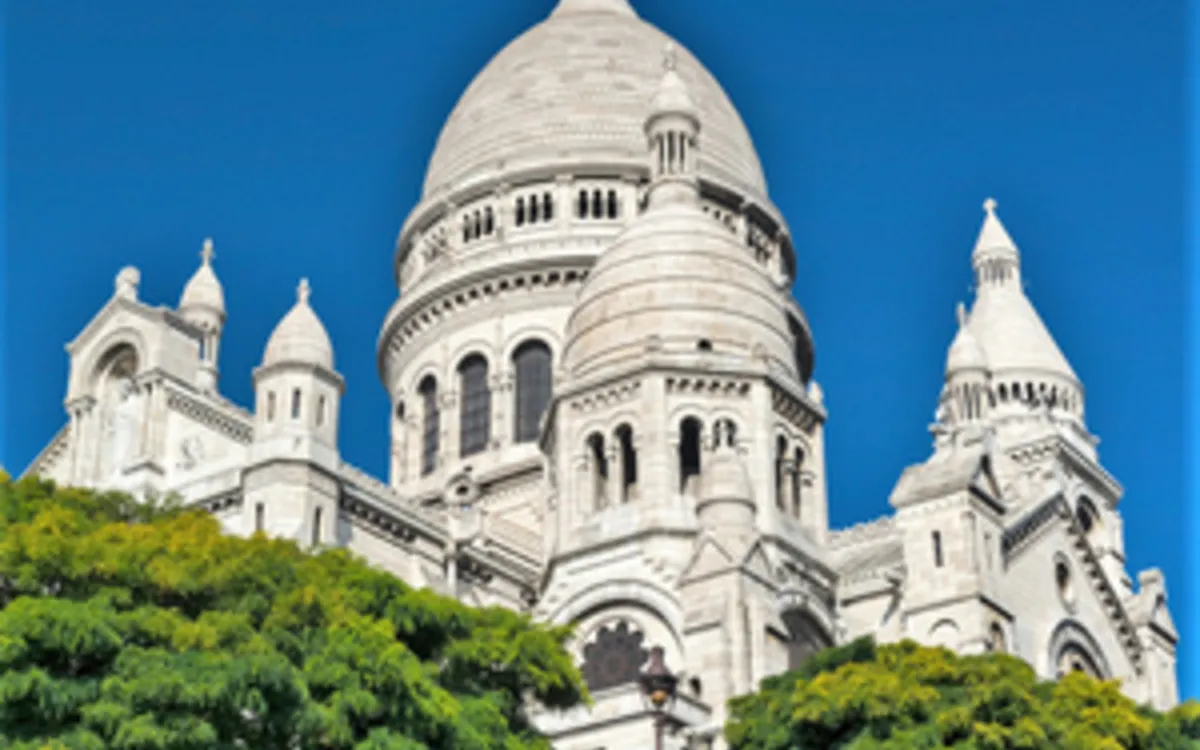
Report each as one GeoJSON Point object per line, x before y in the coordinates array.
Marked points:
{"type": "Point", "coordinates": [300, 338]}
{"type": "Point", "coordinates": [683, 281]}
{"type": "Point", "coordinates": [965, 352]}
{"type": "Point", "coordinates": [1003, 320]}
{"type": "Point", "coordinates": [578, 87]}
{"type": "Point", "coordinates": [203, 289]}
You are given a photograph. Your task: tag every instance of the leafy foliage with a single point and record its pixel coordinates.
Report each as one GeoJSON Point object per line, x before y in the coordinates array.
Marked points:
{"type": "Point", "coordinates": [134, 626]}
{"type": "Point", "coordinates": [904, 696]}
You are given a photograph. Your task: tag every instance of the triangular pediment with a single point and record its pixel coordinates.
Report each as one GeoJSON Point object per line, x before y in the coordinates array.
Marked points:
{"type": "Point", "coordinates": [757, 562]}
{"type": "Point", "coordinates": [709, 557]}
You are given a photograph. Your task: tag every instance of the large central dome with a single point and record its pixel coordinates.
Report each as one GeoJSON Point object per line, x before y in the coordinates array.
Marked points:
{"type": "Point", "coordinates": [577, 87]}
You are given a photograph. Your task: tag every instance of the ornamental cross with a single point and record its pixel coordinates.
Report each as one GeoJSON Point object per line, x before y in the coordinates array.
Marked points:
{"type": "Point", "coordinates": [303, 291]}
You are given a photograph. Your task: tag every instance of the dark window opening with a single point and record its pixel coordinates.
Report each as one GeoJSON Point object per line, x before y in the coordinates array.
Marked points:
{"type": "Point", "coordinates": [628, 464]}
{"type": "Point", "coordinates": [937, 549]}
{"type": "Point", "coordinates": [316, 529]}
{"type": "Point", "coordinates": [548, 206]}
{"type": "Point", "coordinates": [295, 403]}
{"type": "Point", "coordinates": [612, 204]}
{"type": "Point", "coordinates": [431, 426]}
{"type": "Point", "coordinates": [583, 204]}
{"type": "Point", "coordinates": [531, 361]}
{"type": "Point", "coordinates": [475, 415]}
{"type": "Point", "coordinates": [689, 454]}
{"type": "Point", "coordinates": [616, 657]}
{"type": "Point", "coordinates": [259, 517]}
{"type": "Point", "coordinates": [599, 466]}
{"type": "Point", "coordinates": [519, 214]}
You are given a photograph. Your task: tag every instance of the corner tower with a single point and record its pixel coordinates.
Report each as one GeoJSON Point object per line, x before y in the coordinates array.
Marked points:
{"type": "Point", "coordinates": [680, 371]}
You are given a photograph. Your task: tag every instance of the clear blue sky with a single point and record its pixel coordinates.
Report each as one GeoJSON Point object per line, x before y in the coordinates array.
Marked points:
{"type": "Point", "coordinates": [296, 135]}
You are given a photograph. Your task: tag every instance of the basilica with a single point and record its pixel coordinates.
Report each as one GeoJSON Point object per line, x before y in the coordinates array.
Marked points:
{"type": "Point", "coordinates": [604, 413]}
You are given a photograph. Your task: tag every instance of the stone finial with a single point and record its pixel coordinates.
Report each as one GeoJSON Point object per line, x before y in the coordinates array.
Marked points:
{"type": "Point", "coordinates": [961, 313]}
{"type": "Point", "coordinates": [989, 205]}
{"type": "Point", "coordinates": [303, 292]}
{"type": "Point", "coordinates": [670, 57]}
{"type": "Point", "coordinates": [206, 252]}
{"type": "Point", "coordinates": [127, 283]}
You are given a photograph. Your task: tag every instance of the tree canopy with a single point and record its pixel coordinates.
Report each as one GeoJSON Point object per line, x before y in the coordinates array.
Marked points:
{"type": "Point", "coordinates": [127, 625]}
{"type": "Point", "coordinates": [906, 697]}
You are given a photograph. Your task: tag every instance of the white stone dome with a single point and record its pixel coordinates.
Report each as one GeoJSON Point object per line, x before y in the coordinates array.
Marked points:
{"type": "Point", "coordinates": [965, 352]}
{"type": "Point", "coordinates": [679, 284]}
{"type": "Point", "coordinates": [577, 87]}
{"type": "Point", "coordinates": [300, 338]}
{"type": "Point", "coordinates": [204, 290]}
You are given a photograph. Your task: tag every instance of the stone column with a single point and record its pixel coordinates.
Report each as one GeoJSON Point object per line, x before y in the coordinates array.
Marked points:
{"type": "Point", "coordinates": [616, 472]}
{"type": "Point", "coordinates": [448, 450]}
{"type": "Point", "coordinates": [564, 188]}
{"type": "Point", "coordinates": [784, 492]}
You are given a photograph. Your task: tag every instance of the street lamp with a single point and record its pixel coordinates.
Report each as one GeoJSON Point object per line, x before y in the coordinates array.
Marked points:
{"type": "Point", "coordinates": [658, 686]}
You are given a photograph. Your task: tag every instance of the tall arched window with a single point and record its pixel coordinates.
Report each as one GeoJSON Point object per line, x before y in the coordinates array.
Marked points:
{"type": "Point", "coordinates": [475, 411]}
{"type": "Point", "coordinates": [781, 479]}
{"type": "Point", "coordinates": [548, 206]}
{"type": "Point", "coordinates": [599, 474]}
{"type": "Point", "coordinates": [797, 482]}
{"type": "Point", "coordinates": [531, 361]}
{"type": "Point", "coordinates": [519, 213]}
{"type": "Point", "coordinates": [316, 529]}
{"type": "Point", "coordinates": [689, 453]}
{"type": "Point", "coordinates": [628, 463]}
{"type": "Point", "coordinates": [431, 424]}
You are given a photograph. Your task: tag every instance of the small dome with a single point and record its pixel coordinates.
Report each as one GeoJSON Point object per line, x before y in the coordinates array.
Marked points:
{"type": "Point", "coordinates": [673, 96]}
{"type": "Point", "coordinates": [965, 352]}
{"type": "Point", "coordinates": [300, 338]}
{"type": "Point", "coordinates": [203, 289]}
{"type": "Point", "coordinates": [675, 281]}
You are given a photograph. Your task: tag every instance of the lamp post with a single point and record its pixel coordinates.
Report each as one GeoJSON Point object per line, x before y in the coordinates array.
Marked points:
{"type": "Point", "coordinates": [658, 686]}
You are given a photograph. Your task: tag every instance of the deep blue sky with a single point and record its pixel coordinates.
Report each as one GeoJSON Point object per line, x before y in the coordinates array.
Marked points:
{"type": "Point", "coordinates": [296, 135]}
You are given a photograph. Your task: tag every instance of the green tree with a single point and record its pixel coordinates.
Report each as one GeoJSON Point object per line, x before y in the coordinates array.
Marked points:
{"type": "Point", "coordinates": [904, 696]}
{"type": "Point", "coordinates": [135, 626]}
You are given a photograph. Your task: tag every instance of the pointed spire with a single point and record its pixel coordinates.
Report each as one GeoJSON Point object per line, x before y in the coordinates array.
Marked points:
{"type": "Point", "coordinates": [993, 237]}
{"type": "Point", "coordinates": [203, 290]}
{"type": "Point", "coordinates": [672, 128]}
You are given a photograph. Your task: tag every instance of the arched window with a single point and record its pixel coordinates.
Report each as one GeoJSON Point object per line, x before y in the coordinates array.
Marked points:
{"type": "Point", "coordinates": [533, 209]}
{"type": "Point", "coordinates": [599, 471]}
{"type": "Point", "coordinates": [316, 529]}
{"type": "Point", "coordinates": [531, 362]}
{"type": "Point", "coordinates": [996, 642]}
{"type": "Point", "coordinates": [797, 482]}
{"type": "Point", "coordinates": [628, 463]}
{"type": "Point", "coordinates": [466, 224]}
{"type": "Point", "coordinates": [548, 206]}
{"type": "Point", "coordinates": [259, 517]}
{"type": "Point", "coordinates": [782, 491]}
{"type": "Point", "coordinates": [937, 549]}
{"type": "Point", "coordinates": [1086, 514]}
{"type": "Point", "coordinates": [612, 204]}
{"type": "Point", "coordinates": [295, 403]}
{"type": "Point", "coordinates": [724, 433]}
{"type": "Point", "coordinates": [689, 454]}
{"type": "Point", "coordinates": [597, 204]}
{"type": "Point", "coordinates": [478, 224]}
{"type": "Point", "coordinates": [489, 220]}
{"type": "Point", "coordinates": [320, 411]}
{"type": "Point", "coordinates": [270, 406]}
{"type": "Point", "coordinates": [431, 424]}
{"type": "Point", "coordinates": [582, 208]}
{"type": "Point", "coordinates": [475, 412]}
{"type": "Point", "coordinates": [805, 637]}
{"type": "Point", "coordinates": [519, 214]}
